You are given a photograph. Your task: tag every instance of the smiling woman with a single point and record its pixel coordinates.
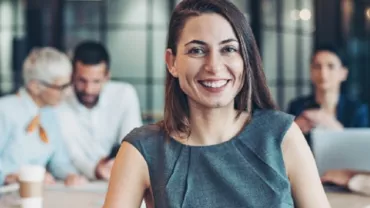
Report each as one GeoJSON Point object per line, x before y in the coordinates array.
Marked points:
{"type": "Point", "coordinates": [221, 143]}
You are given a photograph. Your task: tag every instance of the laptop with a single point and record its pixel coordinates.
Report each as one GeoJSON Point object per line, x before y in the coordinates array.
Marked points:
{"type": "Point", "coordinates": [341, 149]}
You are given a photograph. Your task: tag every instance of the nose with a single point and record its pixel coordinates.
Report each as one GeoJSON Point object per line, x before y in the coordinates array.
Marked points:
{"type": "Point", "coordinates": [89, 88]}
{"type": "Point", "coordinates": [324, 72]}
{"type": "Point", "coordinates": [213, 62]}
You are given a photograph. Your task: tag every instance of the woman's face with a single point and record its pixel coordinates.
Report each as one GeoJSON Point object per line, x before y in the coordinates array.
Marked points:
{"type": "Point", "coordinates": [208, 62]}
{"type": "Point", "coordinates": [327, 72]}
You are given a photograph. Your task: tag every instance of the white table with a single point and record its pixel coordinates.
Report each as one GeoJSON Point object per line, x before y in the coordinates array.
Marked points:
{"type": "Point", "coordinates": [92, 196]}
{"type": "Point", "coordinates": [59, 196]}
{"type": "Point", "coordinates": [348, 200]}
{"type": "Point", "coordinates": [54, 199]}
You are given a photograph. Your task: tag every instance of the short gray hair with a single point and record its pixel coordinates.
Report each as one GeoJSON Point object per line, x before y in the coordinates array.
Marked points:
{"type": "Point", "coordinates": [46, 64]}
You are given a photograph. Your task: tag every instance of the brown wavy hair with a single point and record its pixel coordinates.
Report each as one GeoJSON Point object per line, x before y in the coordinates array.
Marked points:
{"type": "Point", "coordinates": [254, 93]}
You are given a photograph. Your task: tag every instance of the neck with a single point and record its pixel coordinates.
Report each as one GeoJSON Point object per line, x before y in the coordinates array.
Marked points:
{"type": "Point", "coordinates": [328, 99]}
{"type": "Point", "coordinates": [214, 125]}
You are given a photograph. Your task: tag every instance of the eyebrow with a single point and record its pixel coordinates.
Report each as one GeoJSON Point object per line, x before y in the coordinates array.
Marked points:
{"type": "Point", "coordinates": [204, 43]}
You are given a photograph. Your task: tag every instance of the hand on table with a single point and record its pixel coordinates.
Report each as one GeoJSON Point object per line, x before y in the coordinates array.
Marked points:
{"type": "Point", "coordinates": [338, 177]}
{"type": "Point", "coordinates": [103, 169]}
{"type": "Point", "coordinates": [75, 180]}
{"type": "Point", "coordinates": [304, 124]}
{"type": "Point", "coordinates": [49, 179]}
{"type": "Point", "coordinates": [11, 178]}
{"type": "Point", "coordinates": [319, 117]}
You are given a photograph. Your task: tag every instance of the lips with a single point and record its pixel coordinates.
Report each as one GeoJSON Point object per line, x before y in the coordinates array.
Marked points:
{"type": "Point", "coordinates": [89, 97]}
{"type": "Point", "coordinates": [214, 83]}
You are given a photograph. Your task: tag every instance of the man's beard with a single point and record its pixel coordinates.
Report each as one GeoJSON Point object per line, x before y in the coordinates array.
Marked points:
{"type": "Point", "coordinates": [88, 103]}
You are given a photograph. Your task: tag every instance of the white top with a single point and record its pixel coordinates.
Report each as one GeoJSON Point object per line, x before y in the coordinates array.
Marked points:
{"type": "Point", "coordinates": [90, 134]}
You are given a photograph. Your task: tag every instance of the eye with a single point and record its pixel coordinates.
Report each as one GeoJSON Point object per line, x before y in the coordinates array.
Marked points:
{"type": "Point", "coordinates": [82, 80]}
{"type": "Point", "coordinates": [97, 81]}
{"type": "Point", "coordinates": [196, 51]}
{"type": "Point", "coordinates": [229, 49]}
{"type": "Point", "coordinates": [316, 66]}
{"type": "Point", "coordinates": [331, 66]}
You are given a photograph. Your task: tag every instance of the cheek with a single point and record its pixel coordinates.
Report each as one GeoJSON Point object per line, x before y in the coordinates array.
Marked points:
{"type": "Point", "coordinates": [96, 88]}
{"type": "Point", "coordinates": [237, 70]}
{"type": "Point", "coordinates": [46, 96]}
{"type": "Point", "coordinates": [77, 87]}
{"type": "Point", "coordinates": [53, 94]}
{"type": "Point", "coordinates": [183, 81]}
{"type": "Point", "coordinates": [314, 75]}
{"type": "Point", "coordinates": [236, 64]}
{"type": "Point", "coordinates": [187, 75]}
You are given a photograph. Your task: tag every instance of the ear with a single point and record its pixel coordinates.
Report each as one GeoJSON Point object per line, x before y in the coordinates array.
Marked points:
{"type": "Point", "coordinates": [34, 87]}
{"type": "Point", "coordinates": [344, 73]}
{"type": "Point", "coordinates": [107, 76]}
{"type": "Point", "coordinates": [170, 62]}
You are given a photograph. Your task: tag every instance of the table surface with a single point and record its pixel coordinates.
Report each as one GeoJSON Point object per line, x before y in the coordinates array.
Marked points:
{"type": "Point", "coordinates": [348, 200]}
{"type": "Point", "coordinates": [92, 196]}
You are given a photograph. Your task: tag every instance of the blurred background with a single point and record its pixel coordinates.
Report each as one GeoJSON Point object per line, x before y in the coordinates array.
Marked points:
{"type": "Point", "coordinates": [134, 32]}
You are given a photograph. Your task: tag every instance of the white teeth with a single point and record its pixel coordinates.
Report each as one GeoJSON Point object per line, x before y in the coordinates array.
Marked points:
{"type": "Point", "coordinates": [214, 84]}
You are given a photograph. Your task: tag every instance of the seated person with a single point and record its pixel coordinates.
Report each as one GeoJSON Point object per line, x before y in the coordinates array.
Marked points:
{"type": "Point", "coordinates": [29, 132]}
{"type": "Point", "coordinates": [98, 114]}
{"type": "Point", "coordinates": [327, 107]}
{"type": "Point", "coordinates": [355, 181]}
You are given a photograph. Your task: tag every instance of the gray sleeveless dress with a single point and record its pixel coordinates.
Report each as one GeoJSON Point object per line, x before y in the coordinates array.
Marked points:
{"type": "Point", "coordinates": [246, 171]}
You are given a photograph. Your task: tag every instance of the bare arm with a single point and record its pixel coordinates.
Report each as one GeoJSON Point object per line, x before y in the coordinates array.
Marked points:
{"type": "Point", "coordinates": [129, 179]}
{"type": "Point", "coordinates": [307, 189]}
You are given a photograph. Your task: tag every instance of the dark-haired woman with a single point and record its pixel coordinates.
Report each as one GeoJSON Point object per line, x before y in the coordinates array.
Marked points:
{"type": "Point", "coordinates": [221, 144]}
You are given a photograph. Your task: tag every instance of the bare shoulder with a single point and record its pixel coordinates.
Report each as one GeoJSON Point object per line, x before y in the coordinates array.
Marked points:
{"type": "Point", "coordinates": [301, 170]}
{"type": "Point", "coordinates": [130, 157]}
{"type": "Point", "coordinates": [129, 178]}
{"type": "Point", "coordinates": [293, 138]}
{"type": "Point", "coordinates": [294, 147]}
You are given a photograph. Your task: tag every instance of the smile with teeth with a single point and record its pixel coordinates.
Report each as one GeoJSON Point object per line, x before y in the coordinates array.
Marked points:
{"type": "Point", "coordinates": [214, 84]}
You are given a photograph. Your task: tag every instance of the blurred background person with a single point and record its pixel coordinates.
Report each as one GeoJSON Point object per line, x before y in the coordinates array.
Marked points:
{"type": "Point", "coordinates": [29, 131]}
{"type": "Point", "coordinates": [99, 113]}
{"type": "Point", "coordinates": [327, 106]}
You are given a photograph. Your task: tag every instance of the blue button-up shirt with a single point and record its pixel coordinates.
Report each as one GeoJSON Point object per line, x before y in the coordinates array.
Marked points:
{"type": "Point", "coordinates": [18, 147]}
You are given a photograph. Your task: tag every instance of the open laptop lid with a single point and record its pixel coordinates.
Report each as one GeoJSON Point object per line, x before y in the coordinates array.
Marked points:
{"type": "Point", "coordinates": [344, 149]}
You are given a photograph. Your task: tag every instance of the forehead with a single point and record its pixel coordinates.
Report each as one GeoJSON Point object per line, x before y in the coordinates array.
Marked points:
{"type": "Point", "coordinates": [86, 70]}
{"type": "Point", "coordinates": [207, 27]}
{"type": "Point", "coordinates": [327, 56]}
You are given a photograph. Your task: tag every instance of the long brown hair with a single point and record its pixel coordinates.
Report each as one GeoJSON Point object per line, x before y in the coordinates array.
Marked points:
{"type": "Point", "coordinates": [254, 92]}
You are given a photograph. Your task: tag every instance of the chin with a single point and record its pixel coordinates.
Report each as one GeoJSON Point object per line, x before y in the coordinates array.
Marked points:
{"type": "Point", "coordinates": [53, 104]}
{"type": "Point", "coordinates": [324, 88]}
{"type": "Point", "coordinates": [218, 104]}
